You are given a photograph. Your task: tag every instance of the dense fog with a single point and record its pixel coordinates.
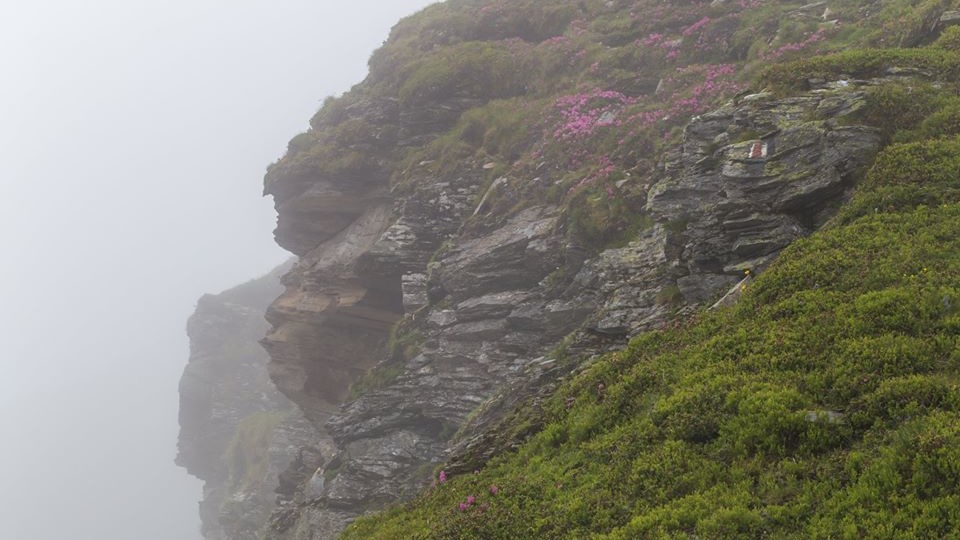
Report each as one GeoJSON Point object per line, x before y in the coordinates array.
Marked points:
{"type": "Point", "coordinates": [133, 140]}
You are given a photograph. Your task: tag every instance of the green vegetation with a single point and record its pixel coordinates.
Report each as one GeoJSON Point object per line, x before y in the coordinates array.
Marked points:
{"type": "Point", "coordinates": [247, 456]}
{"type": "Point", "coordinates": [598, 217]}
{"type": "Point", "coordinates": [404, 344]}
{"type": "Point", "coordinates": [864, 63]}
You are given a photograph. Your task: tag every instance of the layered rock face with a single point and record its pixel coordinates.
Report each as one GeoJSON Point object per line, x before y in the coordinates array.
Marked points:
{"type": "Point", "coordinates": [484, 309]}
{"type": "Point", "coordinates": [245, 440]}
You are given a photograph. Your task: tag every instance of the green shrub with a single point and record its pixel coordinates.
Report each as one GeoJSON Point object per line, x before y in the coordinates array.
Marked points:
{"type": "Point", "coordinates": [941, 123]}
{"type": "Point", "coordinates": [474, 69]}
{"type": "Point", "coordinates": [899, 107]}
{"type": "Point", "coordinates": [949, 39]}
{"type": "Point", "coordinates": [903, 398]}
{"type": "Point", "coordinates": [918, 164]}
{"type": "Point", "coordinates": [862, 64]}
{"type": "Point", "coordinates": [247, 455]}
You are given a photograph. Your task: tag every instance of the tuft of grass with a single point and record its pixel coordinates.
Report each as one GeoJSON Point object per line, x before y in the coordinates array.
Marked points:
{"type": "Point", "coordinates": [404, 343]}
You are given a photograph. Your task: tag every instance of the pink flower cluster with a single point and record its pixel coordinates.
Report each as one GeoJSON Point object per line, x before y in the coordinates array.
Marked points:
{"type": "Point", "coordinates": [659, 40]}
{"type": "Point", "coordinates": [471, 501]}
{"type": "Point", "coordinates": [582, 114]}
{"type": "Point", "coordinates": [714, 83]}
{"type": "Point", "coordinates": [690, 91]}
{"type": "Point", "coordinates": [652, 39]}
{"type": "Point", "coordinates": [557, 41]}
{"type": "Point", "coordinates": [491, 8]}
{"type": "Point", "coordinates": [516, 46]}
{"type": "Point", "coordinates": [464, 506]}
{"type": "Point", "coordinates": [646, 118]}
{"type": "Point", "coordinates": [695, 27]}
{"type": "Point", "coordinates": [792, 47]}
{"type": "Point", "coordinates": [605, 167]}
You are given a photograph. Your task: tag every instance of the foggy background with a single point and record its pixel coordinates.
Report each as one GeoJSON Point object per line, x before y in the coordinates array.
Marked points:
{"type": "Point", "coordinates": [133, 140]}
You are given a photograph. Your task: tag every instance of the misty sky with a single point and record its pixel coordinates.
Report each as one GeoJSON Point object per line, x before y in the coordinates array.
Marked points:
{"type": "Point", "coordinates": [133, 140]}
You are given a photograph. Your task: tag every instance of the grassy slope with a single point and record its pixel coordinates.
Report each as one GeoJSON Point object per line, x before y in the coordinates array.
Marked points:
{"type": "Point", "coordinates": [824, 405]}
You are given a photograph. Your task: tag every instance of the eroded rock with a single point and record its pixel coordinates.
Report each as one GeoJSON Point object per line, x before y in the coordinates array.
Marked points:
{"type": "Point", "coordinates": [230, 408]}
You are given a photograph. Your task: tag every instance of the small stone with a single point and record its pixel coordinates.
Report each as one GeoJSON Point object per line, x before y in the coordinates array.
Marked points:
{"type": "Point", "coordinates": [830, 417]}
{"type": "Point", "coordinates": [949, 18]}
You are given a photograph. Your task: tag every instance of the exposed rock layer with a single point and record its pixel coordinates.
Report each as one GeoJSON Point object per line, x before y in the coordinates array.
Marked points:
{"type": "Point", "coordinates": [252, 448]}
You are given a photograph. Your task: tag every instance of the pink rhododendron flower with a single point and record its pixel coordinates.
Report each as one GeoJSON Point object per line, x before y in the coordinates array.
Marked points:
{"type": "Point", "coordinates": [696, 26]}
{"type": "Point", "coordinates": [582, 114]}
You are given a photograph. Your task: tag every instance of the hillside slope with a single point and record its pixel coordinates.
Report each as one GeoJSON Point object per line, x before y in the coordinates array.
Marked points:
{"type": "Point", "coordinates": [520, 188]}
{"type": "Point", "coordinates": [824, 404]}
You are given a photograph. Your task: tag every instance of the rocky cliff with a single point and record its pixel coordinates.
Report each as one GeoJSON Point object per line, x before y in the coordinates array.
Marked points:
{"type": "Point", "coordinates": [516, 189]}
{"type": "Point", "coordinates": [248, 443]}
{"type": "Point", "coordinates": [488, 309]}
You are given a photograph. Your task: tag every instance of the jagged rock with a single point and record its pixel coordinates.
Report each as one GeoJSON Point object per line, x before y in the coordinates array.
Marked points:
{"type": "Point", "coordinates": [229, 407]}
{"type": "Point", "coordinates": [331, 322]}
{"type": "Point", "coordinates": [517, 255]}
{"type": "Point", "coordinates": [733, 294]}
{"type": "Point", "coordinates": [478, 330]}
{"type": "Point", "coordinates": [490, 306]}
{"type": "Point", "coordinates": [700, 288]}
{"type": "Point", "coordinates": [949, 18]}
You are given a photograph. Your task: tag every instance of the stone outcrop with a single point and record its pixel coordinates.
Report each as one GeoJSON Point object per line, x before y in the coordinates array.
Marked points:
{"type": "Point", "coordinates": [487, 307]}
{"type": "Point", "coordinates": [245, 440]}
